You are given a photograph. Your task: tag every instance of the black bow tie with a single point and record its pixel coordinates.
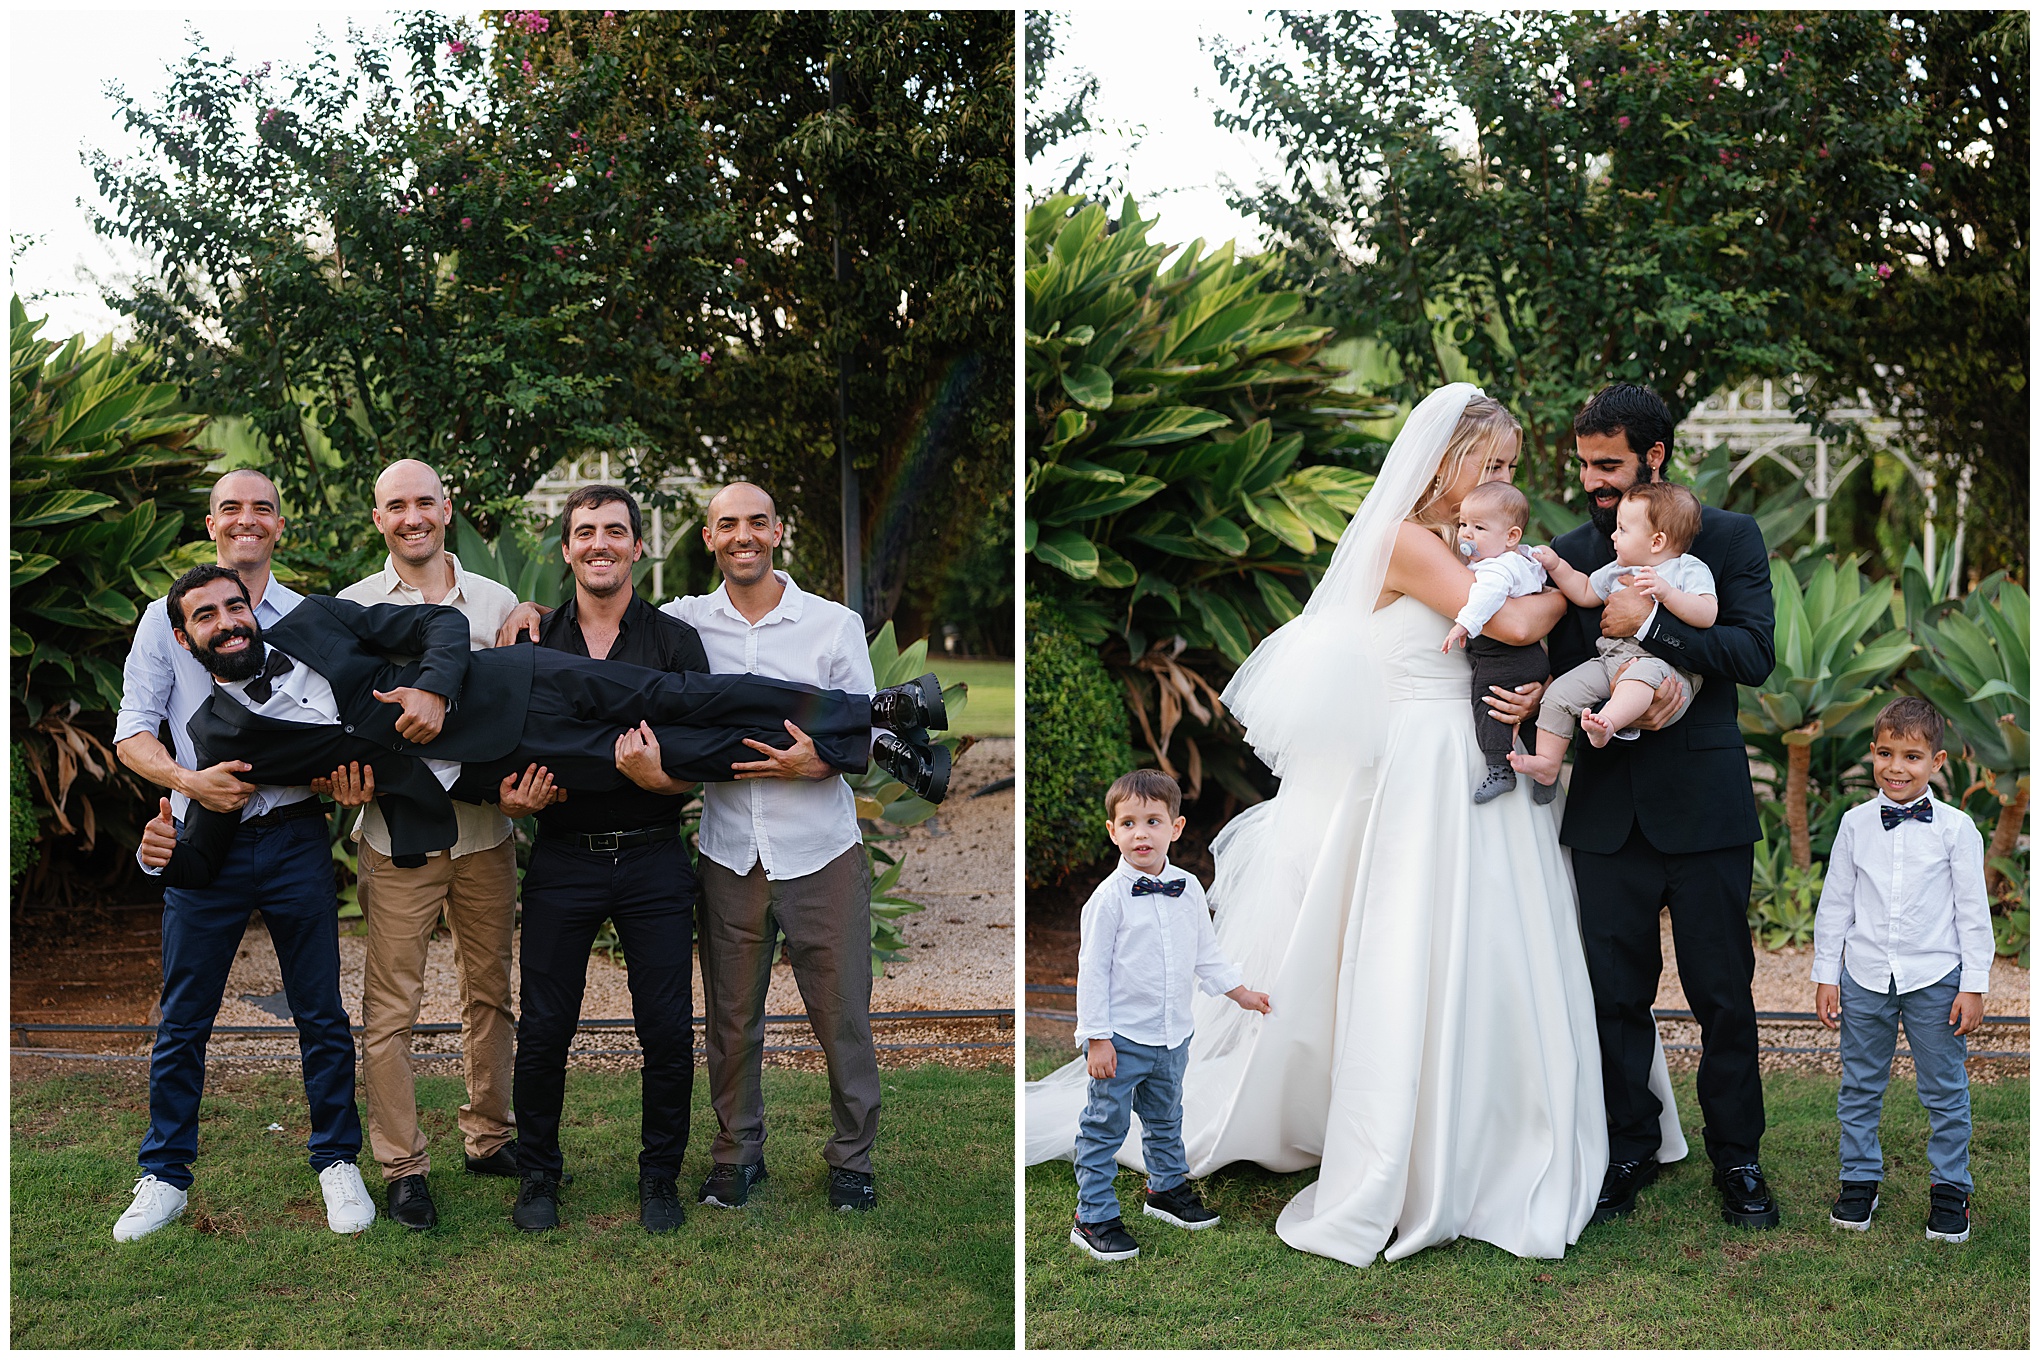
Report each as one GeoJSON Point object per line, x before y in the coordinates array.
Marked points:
{"type": "Point", "coordinates": [1922, 811]}
{"type": "Point", "coordinates": [1173, 888]}
{"type": "Point", "coordinates": [277, 665]}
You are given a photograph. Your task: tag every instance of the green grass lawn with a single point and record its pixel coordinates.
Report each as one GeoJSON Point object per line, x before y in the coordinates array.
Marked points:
{"type": "Point", "coordinates": [252, 1264]}
{"type": "Point", "coordinates": [1671, 1275]}
{"type": "Point", "coordinates": [990, 710]}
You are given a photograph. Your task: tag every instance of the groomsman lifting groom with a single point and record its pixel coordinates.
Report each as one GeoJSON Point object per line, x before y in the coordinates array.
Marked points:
{"type": "Point", "coordinates": [1669, 820]}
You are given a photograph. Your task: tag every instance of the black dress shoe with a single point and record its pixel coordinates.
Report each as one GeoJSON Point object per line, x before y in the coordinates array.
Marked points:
{"type": "Point", "coordinates": [501, 1162]}
{"type": "Point", "coordinates": [659, 1206]}
{"type": "Point", "coordinates": [538, 1203]}
{"type": "Point", "coordinates": [729, 1184]}
{"type": "Point", "coordinates": [923, 769]}
{"type": "Point", "coordinates": [850, 1190]}
{"type": "Point", "coordinates": [1746, 1199]}
{"type": "Point", "coordinates": [411, 1203]}
{"type": "Point", "coordinates": [911, 709]}
{"type": "Point", "coordinates": [1619, 1187]}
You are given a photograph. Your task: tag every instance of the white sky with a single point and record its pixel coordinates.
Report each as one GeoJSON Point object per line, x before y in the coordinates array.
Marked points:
{"type": "Point", "coordinates": [58, 64]}
{"type": "Point", "coordinates": [1152, 71]}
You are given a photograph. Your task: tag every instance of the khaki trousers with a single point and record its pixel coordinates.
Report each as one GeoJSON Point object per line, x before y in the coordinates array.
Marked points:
{"type": "Point", "coordinates": [826, 917]}
{"type": "Point", "coordinates": [477, 892]}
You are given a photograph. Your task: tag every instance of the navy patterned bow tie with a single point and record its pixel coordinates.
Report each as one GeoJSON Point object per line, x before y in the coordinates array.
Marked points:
{"type": "Point", "coordinates": [1174, 888]}
{"type": "Point", "coordinates": [1922, 811]}
{"type": "Point", "coordinates": [278, 664]}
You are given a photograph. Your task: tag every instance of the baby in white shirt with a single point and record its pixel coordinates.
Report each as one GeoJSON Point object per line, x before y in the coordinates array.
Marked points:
{"type": "Point", "coordinates": [1492, 519]}
{"type": "Point", "coordinates": [1654, 525]}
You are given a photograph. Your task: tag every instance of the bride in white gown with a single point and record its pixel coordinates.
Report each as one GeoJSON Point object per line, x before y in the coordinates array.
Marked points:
{"type": "Point", "coordinates": [1432, 1043]}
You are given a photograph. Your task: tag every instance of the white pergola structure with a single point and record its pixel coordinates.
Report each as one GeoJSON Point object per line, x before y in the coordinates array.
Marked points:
{"type": "Point", "coordinates": [1755, 421]}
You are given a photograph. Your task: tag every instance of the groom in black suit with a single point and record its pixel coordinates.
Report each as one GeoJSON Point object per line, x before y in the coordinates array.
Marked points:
{"type": "Point", "coordinates": [324, 687]}
{"type": "Point", "coordinates": [1669, 819]}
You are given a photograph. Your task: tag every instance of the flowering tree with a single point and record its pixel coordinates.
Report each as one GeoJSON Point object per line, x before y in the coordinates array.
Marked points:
{"type": "Point", "coordinates": [400, 251]}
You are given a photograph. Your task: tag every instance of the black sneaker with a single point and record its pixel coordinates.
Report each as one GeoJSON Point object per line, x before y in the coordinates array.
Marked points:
{"type": "Point", "coordinates": [852, 1190]}
{"type": "Point", "coordinates": [1179, 1205]}
{"type": "Point", "coordinates": [1746, 1199]}
{"type": "Point", "coordinates": [411, 1203]}
{"type": "Point", "coordinates": [538, 1203]}
{"type": "Point", "coordinates": [1624, 1179]}
{"type": "Point", "coordinates": [1107, 1241]}
{"type": "Point", "coordinates": [503, 1162]}
{"type": "Point", "coordinates": [1854, 1205]}
{"type": "Point", "coordinates": [1947, 1214]}
{"type": "Point", "coordinates": [923, 769]}
{"type": "Point", "coordinates": [659, 1206]}
{"type": "Point", "coordinates": [729, 1184]}
{"type": "Point", "coordinates": [911, 709]}
{"type": "Point", "coordinates": [1500, 779]}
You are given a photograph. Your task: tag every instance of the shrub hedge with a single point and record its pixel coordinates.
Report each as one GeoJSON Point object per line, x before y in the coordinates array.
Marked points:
{"type": "Point", "coordinates": [1077, 744]}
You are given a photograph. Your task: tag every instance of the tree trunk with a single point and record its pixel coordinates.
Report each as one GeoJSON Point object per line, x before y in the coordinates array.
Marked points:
{"type": "Point", "coordinates": [2005, 840]}
{"type": "Point", "coordinates": [1797, 759]}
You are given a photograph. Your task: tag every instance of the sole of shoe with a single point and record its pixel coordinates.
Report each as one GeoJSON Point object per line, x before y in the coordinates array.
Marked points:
{"type": "Point", "coordinates": [930, 691]}
{"type": "Point", "coordinates": [1960, 1237]}
{"type": "Point", "coordinates": [1768, 1218]}
{"type": "Point", "coordinates": [1077, 1240]}
{"type": "Point", "coordinates": [1163, 1214]}
{"type": "Point", "coordinates": [939, 763]}
{"type": "Point", "coordinates": [534, 1227]}
{"type": "Point", "coordinates": [430, 1219]}
{"type": "Point", "coordinates": [712, 1202]}
{"type": "Point", "coordinates": [135, 1234]}
{"type": "Point", "coordinates": [855, 1208]}
{"type": "Point", "coordinates": [1853, 1225]}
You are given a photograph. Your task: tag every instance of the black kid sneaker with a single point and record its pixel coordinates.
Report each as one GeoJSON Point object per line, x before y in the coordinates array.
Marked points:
{"type": "Point", "coordinates": [1179, 1205]}
{"type": "Point", "coordinates": [1854, 1205]}
{"type": "Point", "coordinates": [1107, 1241]}
{"type": "Point", "coordinates": [729, 1185]}
{"type": "Point", "coordinates": [1948, 1214]}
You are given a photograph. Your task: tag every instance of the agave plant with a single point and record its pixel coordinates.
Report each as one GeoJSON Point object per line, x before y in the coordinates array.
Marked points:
{"type": "Point", "coordinates": [1189, 468]}
{"type": "Point", "coordinates": [1827, 672]}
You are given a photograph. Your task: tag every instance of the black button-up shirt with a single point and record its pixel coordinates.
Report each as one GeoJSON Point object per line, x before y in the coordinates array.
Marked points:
{"type": "Point", "coordinates": [649, 638]}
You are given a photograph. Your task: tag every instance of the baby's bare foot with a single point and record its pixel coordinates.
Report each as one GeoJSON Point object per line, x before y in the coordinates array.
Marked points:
{"type": "Point", "coordinates": [1597, 729]}
{"type": "Point", "coordinates": [1544, 772]}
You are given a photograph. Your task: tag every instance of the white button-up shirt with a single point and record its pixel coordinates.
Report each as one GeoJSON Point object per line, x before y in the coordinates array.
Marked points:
{"type": "Point", "coordinates": [486, 603]}
{"type": "Point", "coordinates": [1904, 905]}
{"type": "Point", "coordinates": [792, 826]}
{"type": "Point", "coordinates": [1139, 955]}
{"type": "Point", "coordinates": [1496, 581]}
{"type": "Point", "coordinates": [164, 683]}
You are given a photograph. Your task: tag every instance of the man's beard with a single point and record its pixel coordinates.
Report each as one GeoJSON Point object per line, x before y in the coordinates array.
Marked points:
{"type": "Point", "coordinates": [241, 665]}
{"type": "Point", "coordinates": [1604, 520]}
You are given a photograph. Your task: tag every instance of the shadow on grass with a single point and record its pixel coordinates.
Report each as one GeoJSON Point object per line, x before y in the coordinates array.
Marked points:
{"type": "Point", "coordinates": [1672, 1275]}
{"type": "Point", "coordinates": [252, 1264]}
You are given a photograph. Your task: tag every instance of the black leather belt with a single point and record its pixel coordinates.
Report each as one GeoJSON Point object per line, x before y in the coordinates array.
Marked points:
{"type": "Point", "coordinates": [289, 812]}
{"type": "Point", "coordinates": [611, 840]}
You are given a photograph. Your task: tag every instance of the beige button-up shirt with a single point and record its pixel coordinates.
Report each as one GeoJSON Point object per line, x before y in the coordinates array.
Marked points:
{"type": "Point", "coordinates": [486, 604]}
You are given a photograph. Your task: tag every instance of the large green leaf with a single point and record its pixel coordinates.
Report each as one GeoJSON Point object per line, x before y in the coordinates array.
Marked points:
{"type": "Point", "coordinates": [1098, 502]}
{"type": "Point", "coordinates": [61, 508]}
{"type": "Point", "coordinates": [1088, 385]}
{"type": "Point", "coordinates": [1169, 425]}
{"type": "Point", "coordinates": [1069, 552]}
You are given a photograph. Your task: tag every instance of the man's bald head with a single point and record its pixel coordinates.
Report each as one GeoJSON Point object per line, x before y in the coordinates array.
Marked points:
{"type": "Point", "coordinates": [741, 527]}
{"type": "Point", "coordinates": [412, 513]}
{"type": "Point", "coordinates": [405, 474]}
{"type": "Point", "coordinates": [245, 484]}
{"type": "Point", "coordinates": [741, 498]}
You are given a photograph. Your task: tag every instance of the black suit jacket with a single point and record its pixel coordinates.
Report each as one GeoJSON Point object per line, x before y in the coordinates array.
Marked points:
{"type": "Point", "coordinates": [353, 647]}
{"type": "Point", "coordinates": [1688, 785]}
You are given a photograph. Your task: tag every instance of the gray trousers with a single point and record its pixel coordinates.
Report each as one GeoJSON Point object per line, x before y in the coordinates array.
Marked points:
{"type": "Point", "coordinates": [826, 917]}
{"type": "Point", "coordinates": [1869, 1040]}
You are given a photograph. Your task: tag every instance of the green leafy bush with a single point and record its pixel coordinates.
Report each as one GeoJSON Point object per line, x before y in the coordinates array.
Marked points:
{"type": "Point", "coordinates": [22, 828]}
{"type": "Point", "coordinates": [1076, 745]}
{"type": "Point", "coordinates": [1783, 895]}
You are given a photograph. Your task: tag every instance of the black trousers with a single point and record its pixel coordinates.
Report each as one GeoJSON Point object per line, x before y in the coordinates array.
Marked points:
{"type": "Point", "coordinates": [1708, 893]}
{"type": "Point", "coordinates": [1500, 663]}
{"type": "Point", "coordinates": [649, 891]}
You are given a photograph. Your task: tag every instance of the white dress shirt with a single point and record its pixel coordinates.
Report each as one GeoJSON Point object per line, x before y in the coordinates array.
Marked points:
{"type": "Point", "coordinates": [1138, 956]}
{"type": "Point", "coordinates": [1497, 580]}
{"type": "Point", "coordinates": [163, 683]}
{"type": "Point", "coordinates": [1905, 904]}
{"type": "Point", "coordinates": [486, 603]}
{"type": "Point", "coordinates": [793, 827]}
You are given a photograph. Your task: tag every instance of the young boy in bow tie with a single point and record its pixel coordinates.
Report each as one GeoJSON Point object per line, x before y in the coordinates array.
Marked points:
{"type": "Point", "coordinates": [1903, 933]}
{"type": "Point", "coordinates": [1146, 936]}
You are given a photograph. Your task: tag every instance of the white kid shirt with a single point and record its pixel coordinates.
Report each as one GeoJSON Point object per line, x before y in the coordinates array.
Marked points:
{"type": "Point", "coordinates": [163, 682]}
{"type": "Point", "coordinates": [794, 827]}
{"type": "Point", "coordinates": [1684, 572]}
{"type": "Point", "coordinates": [486, 603]}
{"type": "Point", "coordinates": [1139, 955]}
{"type": "Point", "coordinates": [1904, 905]}
{"type": "Point", "coordinates": [1497, 580]}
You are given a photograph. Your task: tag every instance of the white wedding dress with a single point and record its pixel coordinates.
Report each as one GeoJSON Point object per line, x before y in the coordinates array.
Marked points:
{"type": "Point", "coordinates": [1431, 1044]}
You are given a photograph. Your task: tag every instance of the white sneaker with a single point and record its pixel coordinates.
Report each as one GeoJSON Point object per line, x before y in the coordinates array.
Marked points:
{"type": "Point", "coordinates": [348, 1207]}
{"type": "Point", "coordinates": [156, 1203]}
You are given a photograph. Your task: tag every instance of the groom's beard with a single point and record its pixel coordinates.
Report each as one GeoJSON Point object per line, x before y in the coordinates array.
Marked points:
{"type": "Point", "coordinates": [1604, 520]}
{"type": "Point", "coordinates": [242, 665]}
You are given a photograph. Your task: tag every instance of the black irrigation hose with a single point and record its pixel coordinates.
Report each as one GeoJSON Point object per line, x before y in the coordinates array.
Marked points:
{"type": "Point", "coordinates": [576, 1053]}
{"type": "Point", "coordinates": [437, 1027]}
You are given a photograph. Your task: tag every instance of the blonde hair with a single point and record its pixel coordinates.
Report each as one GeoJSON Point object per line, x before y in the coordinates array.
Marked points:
{"type": "Point", "coordinates": [1482, 424]}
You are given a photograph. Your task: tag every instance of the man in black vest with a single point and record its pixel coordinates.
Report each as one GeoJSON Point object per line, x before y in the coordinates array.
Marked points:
{"type": "Point", "coordinates": [1669, 820]}
{"type": "Point", "coordinates": [321, 691]}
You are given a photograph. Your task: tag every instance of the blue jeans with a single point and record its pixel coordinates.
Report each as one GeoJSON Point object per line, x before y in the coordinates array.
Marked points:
{"type": "Point", "coordinates": [1869, 1039]}
{"type": "Point", "coordinates": [1148, 1082]}
{"type": "Point", "coordinates": [286, 872]}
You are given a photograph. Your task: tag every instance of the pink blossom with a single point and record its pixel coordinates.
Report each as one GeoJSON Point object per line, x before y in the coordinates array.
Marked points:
{"type": "Point", "coordinates": [739, 262]}
{"type": "Point", "coordinates": [527, 66]}
{"type": "Point", "coordinates": [466, 222]}
{"type": "Point", "coordinates": [244, 82]}
{"type": "Point", "coordinates": [454, 49]}
{"type": "Point", "coordinates": [403, 212]}
{"type": "Point", "coordinates": [1926, 167]}
{"type": "Point", "coordinates": [707, 358]}
{"type": "Point", "coordinates": [1623, 121]}
{"type": "Point", "coordinates": [1586, 84]}
{"type": "Point", "coordinates": [573, 136]}
{"type": "Point", "coordinates": [1558, 99]}
{"type": "Point", "coordinates": [432, 191]}
{"type": "Point", "coordinates": [609, 174]}
{"type": "Point", "coordinates": [1883, 271]}
{"type": "Point", "coordinates": [1823, 153]}
{"type": "Point", "coordinates": [560, 252]}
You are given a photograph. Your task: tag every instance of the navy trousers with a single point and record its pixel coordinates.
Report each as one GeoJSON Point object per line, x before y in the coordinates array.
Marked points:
{"type": "Point", "coordinates": [284, 871]}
